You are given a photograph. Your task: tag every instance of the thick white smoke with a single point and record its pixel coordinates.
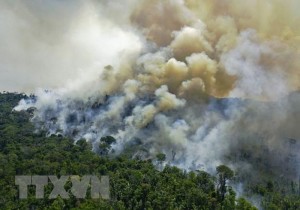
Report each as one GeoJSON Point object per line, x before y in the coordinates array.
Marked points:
{"type": "Point", "coordinates": [51, 44]}
{"type": "Point", "coordinates": [197, 80]}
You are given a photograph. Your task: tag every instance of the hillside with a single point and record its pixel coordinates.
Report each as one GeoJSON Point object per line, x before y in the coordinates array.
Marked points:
{"type": "Point", "coordinates": [134, 183]}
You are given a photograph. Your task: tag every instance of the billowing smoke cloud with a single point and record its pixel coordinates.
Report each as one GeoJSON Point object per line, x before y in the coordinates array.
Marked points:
{"type": "Point", "coordinates": [206, 81]}
{"type": "Point", "coordinates": [50, 44]}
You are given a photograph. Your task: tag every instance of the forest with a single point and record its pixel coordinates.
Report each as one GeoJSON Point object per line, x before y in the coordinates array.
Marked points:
{"type": "Point", "coordinates": [134, 183]}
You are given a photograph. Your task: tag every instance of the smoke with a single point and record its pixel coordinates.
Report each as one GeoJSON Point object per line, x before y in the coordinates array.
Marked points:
{"type": "Point", "coordinates": [51, 44]}
{"type": "Point", "coordinates": [205, 82]}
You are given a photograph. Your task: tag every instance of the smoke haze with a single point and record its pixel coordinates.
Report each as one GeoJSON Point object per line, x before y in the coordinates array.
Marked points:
{"type": "Point", "coordinates": [205, 82]}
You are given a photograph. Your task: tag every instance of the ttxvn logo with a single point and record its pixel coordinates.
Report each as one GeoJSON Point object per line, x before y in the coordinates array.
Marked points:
{"type": "Point", "coordinates": [80, 185]}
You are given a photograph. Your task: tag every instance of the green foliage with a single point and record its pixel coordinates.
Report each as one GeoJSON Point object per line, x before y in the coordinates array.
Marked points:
{"type": "Point", "coordinates": [224, 174]}
{"type": "Point", "coordinates": [161, 157]}
{"type": "Point", "coordinates": [106, 144]}
{"type": "Point", "coordinates": [134, 184]}
{"type": "Point", "coordinates": [242, 204]}
{"type": "Point", "coordinates": [278, 195]}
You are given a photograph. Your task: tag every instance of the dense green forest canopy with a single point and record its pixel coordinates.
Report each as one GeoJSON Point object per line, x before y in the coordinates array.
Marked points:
{"type": "Point", "coordinates": [134, 183]}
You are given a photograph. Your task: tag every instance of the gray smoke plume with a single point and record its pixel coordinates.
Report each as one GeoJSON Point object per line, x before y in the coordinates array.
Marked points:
{"type": "Point", "coordinates": [200, 81]}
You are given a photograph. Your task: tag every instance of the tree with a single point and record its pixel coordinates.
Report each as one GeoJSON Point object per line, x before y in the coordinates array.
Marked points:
{"type": "Point", "coordinates": [161, 157]}
{"type": "Point", "coordinates": [224, 174]}
{"type": "Point", "coordinates": [242, 204]}
{"type": "Point", "coordinates": [229, 202]}
{"type": "Point", "coordinates": [84, 145]}
{"type": "Point", "coordinates": [105, 144]}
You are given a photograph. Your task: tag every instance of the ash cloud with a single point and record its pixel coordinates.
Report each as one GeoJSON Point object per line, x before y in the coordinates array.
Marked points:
{"type": "Point", "coordinates": [198, 80]}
